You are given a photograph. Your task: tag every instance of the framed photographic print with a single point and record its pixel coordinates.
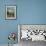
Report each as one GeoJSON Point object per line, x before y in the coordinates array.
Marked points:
{"type": "Point", "coordinates": [11, 12]}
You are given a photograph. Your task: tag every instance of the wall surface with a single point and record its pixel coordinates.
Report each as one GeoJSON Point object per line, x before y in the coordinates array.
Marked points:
{"type": "Point", "coordinates": [33, 11]}
{"type": "Point", "coordinates": [28, 12]}
{"type": "Point", "coordinates": [7, 26]}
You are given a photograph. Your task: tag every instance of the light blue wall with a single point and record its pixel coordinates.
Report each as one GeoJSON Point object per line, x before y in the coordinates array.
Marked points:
{"type": "Point", "coordinates": [7, 26]}
{"type": "Point", "coordinates": [33, 12]}
{"type": "Point", "coordinates": [28, 12]}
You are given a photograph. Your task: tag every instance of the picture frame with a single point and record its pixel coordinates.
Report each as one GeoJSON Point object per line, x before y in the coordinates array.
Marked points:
{"type": "Point", "coordinates": [10, 11]}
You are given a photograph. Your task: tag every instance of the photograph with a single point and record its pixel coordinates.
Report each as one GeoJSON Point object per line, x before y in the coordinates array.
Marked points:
{"type": "Point", "coordinates": [10, 12]}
